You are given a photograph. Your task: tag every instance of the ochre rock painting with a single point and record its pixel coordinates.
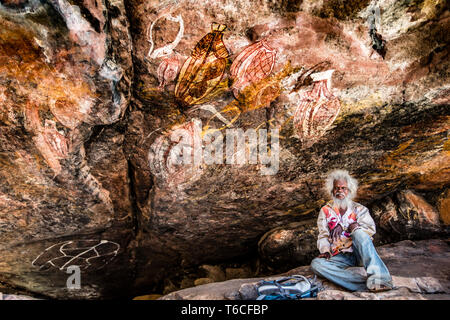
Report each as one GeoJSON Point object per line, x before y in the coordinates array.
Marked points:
{"type": "Point", "coordinates": [52, 144]}
{"type": "Point", "coordinates": [55, 139]}
{"type": "Point", "coordinates": [166, 50]}
{"type": "Point", "coordinates": [317, 110]}
{"type": "Point", "coordinates": [203, 71]}
{"type": "Point", "coordinates": [87, 254]}
{"type": "Point", "coordinates": [166, 152]}
{"type": "Point", "coordinates": [91, 91]}
{"type": "Point", "coordinates": [254, 96]}
{"type": "Point", "coordinates": [253, 64]}
{"type": "Point", "coordinates": [167, 71]}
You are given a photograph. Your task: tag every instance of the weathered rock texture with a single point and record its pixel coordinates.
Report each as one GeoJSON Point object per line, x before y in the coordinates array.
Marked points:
{"type": "Point", "coordinates": [65, 76]}
{"type": "Point", "coordinates": [286, 247]}
{"type": "Point", "coordinates": [399, 216]}
{"type": "Point", "coordinates": [413, 276]}
{"type": "Point", "coordinates": [92, 92]}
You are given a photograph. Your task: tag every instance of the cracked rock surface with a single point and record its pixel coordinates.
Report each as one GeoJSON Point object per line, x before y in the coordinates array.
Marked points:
{"type": "Point", "coordinates": [92, 92]}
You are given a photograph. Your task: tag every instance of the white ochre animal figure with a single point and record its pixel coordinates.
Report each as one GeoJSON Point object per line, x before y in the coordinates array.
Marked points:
{"type": "Point", "coordinates": [167, 49]}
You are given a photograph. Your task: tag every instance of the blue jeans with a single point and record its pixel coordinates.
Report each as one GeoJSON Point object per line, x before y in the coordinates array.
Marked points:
{"type": "Point", "coordinates": [365, 255]}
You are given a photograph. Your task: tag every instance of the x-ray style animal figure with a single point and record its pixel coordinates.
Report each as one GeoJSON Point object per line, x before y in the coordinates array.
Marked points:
{"type": "Point", "coordinates": [317, 110]}
{"type": "Point", "coordinates": [203, 71]}
{"type": "Point", "coordinates": [253, 64]}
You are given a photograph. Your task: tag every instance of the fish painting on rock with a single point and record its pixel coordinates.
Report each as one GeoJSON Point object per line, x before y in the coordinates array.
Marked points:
{"type": "Point", "coordinates": [253, 64]}
{"type": "Point", "coordinates": [204, 70]}
{"type": "Point", "coordinates": [317, 109]}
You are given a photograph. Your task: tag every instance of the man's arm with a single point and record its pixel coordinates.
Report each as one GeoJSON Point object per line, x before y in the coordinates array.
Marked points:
{"type": "Point", "coordinates": [323, 244]}
{"type": "Point", "coordinates": [365, 221]}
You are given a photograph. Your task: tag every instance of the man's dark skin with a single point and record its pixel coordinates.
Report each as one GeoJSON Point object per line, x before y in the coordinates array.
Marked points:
{"type": "Point", "coordinates": [340, 191]}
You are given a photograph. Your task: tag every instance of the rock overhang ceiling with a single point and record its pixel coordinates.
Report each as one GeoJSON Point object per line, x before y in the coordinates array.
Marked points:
{"type": "Point", "coordinates": [92, 92]}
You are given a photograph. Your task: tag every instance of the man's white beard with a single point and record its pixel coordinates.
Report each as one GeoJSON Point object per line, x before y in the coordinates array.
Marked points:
{"type": "Point", "coordinates": [343, 203]}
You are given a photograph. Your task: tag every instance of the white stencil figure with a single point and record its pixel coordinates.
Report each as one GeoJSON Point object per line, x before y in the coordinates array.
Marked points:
{"type": "Point", "coordinates": [167, 49]}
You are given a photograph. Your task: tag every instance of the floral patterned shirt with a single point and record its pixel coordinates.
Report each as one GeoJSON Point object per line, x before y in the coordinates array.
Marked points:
{"type": "Point", "coordinates": [329, 217]}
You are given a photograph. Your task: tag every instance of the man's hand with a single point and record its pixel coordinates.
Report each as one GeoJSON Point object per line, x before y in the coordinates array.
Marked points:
{"type": "Point", "coordinates": [336, 232]}
{"type": "Point", "coordinates": [325, 255]}
{"type": "Point", "coordinates": [352, 227]}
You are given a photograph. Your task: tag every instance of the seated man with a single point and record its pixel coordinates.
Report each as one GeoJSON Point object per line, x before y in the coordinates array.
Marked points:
{"type": "Point", "coordinates": [345, 230]}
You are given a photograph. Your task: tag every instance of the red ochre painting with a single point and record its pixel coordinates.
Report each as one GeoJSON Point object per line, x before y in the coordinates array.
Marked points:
{"type": "Point", "coordinates": [203, 75]}
{"type": "Point", "coordinates": [167, 71]}
{"type": "Point", "coordinates": [163, 158]}
{"type": "Point", "coordinates": [254, 96]}
{"type": "Point", "coordinates": [253, 64]}
{"type": "Point", "coordinates": [203, 71]}
{"type": "Point", "coordinates": [317, 110]}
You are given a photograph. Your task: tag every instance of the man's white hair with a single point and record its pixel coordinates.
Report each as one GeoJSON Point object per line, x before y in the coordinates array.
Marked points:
{"type": "Point", "coordinates": [352, 183]}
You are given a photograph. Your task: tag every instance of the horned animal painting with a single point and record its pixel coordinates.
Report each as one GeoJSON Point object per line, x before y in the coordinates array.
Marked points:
{"type": "Point", "coordinates": [317, 109]}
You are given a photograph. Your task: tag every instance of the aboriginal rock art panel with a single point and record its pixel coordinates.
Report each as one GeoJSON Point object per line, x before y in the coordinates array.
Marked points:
{"type": "Point", "coordinates": [253, 64]}
{"type": "Point", "coordinates": [167, 151]}
{"type": "Point", "coordinates": [51, 143]}
{"type": "Point", "coordinates": [202, 73]}
{"type": "Point", "coordinates": [202, 77]}
{"type": "Point", "coordinates": [317, 110]}
{"type": "Point", "coordinates": [87, 254]}
{"type": "Point", "coordinates": [253, 97]}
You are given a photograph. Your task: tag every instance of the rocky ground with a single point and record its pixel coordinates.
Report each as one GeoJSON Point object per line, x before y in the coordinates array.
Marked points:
{"type": "Point", "coordinates": [420, 271]}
